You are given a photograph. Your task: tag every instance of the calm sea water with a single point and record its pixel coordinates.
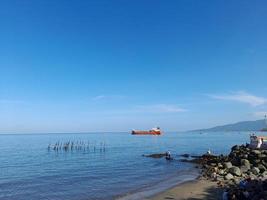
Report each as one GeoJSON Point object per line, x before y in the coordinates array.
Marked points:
{"type": "Point", "coordinates": [29, 171]}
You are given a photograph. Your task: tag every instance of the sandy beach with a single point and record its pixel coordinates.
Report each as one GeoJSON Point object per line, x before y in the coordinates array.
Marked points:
{"type": "Point", "coordinates": [192, 190]}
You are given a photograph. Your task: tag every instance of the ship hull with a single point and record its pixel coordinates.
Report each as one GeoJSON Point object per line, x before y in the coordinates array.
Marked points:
{"type": "Point", "coordinates": [146, 132]}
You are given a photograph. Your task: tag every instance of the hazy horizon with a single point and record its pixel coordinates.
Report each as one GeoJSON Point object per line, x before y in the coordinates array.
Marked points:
{"type": "Point", "coordinates": [87, 66]}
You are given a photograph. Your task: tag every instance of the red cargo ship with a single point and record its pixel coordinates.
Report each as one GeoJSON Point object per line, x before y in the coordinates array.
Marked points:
{"type": "Point", "coordinates": [153, 131]}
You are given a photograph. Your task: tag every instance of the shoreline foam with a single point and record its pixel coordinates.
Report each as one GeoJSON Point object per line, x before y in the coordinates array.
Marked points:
{"type": "Point", "coordinates": [152, 190]}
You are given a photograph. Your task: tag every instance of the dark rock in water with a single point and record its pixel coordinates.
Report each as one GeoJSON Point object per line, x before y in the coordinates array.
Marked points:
{"type": "Point", "coordinates": [156, 155]}
{"type": "Point", "coordinates": [195, 161]}
{"type": "Point", "coordinates": [185, 155]}
{"type": "Point", "coordinates": [205, 159]}
{"type": "Point", "coordinates": [184, 160]}
{"type": "Point", "coordinates": [235, 171]}
{"type": "Point", "coordinates": [195, 156]}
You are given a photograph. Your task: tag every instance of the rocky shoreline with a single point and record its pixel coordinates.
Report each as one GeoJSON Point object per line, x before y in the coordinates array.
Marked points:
{"type": "Point", "coordinates": [242, 173]}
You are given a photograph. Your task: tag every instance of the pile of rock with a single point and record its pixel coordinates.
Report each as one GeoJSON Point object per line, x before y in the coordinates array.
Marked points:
{"type": "Point", "coordinates": [243, 170]}
{"type": "Point", "coordinates": [241, 163]}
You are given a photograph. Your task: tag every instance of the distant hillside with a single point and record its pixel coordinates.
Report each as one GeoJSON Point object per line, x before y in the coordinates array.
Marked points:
{"type": "Point", "coordinates": [240, 126]}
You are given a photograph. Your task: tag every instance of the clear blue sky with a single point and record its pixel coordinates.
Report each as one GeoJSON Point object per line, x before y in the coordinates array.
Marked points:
{"type": "Point", "coordinates": [70, 66]}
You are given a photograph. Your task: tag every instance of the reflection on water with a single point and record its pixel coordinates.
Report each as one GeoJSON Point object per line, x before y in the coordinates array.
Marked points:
{"type": "Point", "coordinates": [28, 170]}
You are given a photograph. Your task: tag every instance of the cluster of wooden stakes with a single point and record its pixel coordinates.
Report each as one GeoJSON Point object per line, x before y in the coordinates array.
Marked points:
{"type": "Point", "coordinates": [77, 146]}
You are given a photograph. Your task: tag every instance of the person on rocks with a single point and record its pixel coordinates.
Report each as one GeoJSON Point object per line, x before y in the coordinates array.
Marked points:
{"type": "Point", "coordinates": [209, 152]}
{"type": "Point", "coordinates": [259, 143]}
{"type": "Point", "coordinates": [168, 155]}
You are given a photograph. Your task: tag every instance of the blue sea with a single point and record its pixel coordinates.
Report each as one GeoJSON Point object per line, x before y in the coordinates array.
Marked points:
{"type": "Point", "coordinates": [107, 166]}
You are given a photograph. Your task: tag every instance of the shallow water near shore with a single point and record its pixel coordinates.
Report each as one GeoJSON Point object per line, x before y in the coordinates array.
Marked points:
{"type": "Point", "coordinates": [28, 170]}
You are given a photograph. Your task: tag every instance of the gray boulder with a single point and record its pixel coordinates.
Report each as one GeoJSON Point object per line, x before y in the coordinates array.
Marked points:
{"type": "Point", "coordinates": [257, 152]}
{"type": "Point", "coordinates": [236, 181]}
{"type": "Point", "coordinates": [220, 165]}
{"type": "Point", "coordinates": [255, 170]}
{"type": "Point", "coordinates": [261, 168]}
{"type": "Point", "coordinates": [264, 174]}
{"type": "Point", "coordinates": [245, 162]}
{"type": "Point", "coordinates": [252, 176]}
{"type": "Point", "coordinates": [244, 168]}
{"type": "Point", "coordinates": [221, 172]}
{"type": "Point", "coordinates": [264, 163]}
{"type": "Point", "coordinates": [227, 165]}
{"type": "Point", "coordinates": [262, 156]}
{"type": "Point", "coordinates": [235, 171]}
{"type": "Point", "coordinates": [228, 176]}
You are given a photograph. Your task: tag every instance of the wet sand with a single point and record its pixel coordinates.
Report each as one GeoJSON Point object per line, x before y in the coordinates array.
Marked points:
{"type": "Point", "coordinates": [192, 190]}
